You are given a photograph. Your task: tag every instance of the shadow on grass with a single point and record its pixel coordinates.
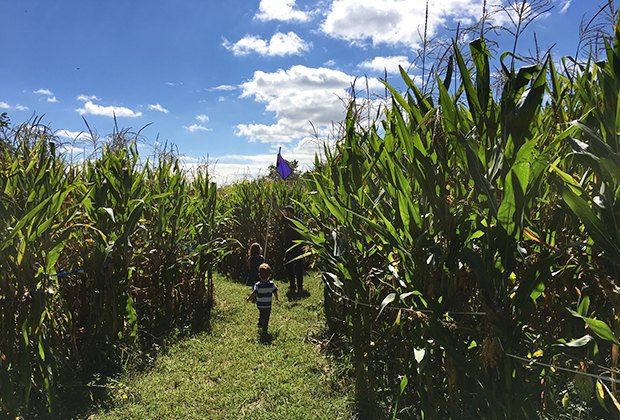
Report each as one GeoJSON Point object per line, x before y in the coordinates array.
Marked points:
{"type": "Point", "coordinates": [293, 295]}
{"type": "Point", "coordinates": [267, 339]}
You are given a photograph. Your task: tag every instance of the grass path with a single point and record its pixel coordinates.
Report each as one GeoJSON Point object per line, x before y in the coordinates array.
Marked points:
{"type": "Point", "coordinates": [229, 373]}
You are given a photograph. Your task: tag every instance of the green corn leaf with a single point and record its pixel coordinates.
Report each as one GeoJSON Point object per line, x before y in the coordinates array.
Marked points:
{"type": "Point", "coordinates": [598, 327]}
{"type": "Point", "coordinates": [470, 92]}
{"type": "Point", "coordinates": [594, 226]}
{"type": "Point", "coordinates": [584, 305]}
{"type": "Point", "coordinates": [580, 342]}
{"type": "Point", "coordinates": [41, 351]}
{"type": "Point", "coordinates": [109, 211]}
{"type": "Point", "coordinates": [403, 384]}
{"type": "Point", "coordinates": [511, 209]}
{"type": "Point", "coordinates": [386, 301]}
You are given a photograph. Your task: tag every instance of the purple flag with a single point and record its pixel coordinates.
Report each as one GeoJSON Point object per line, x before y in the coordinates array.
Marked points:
{"type": "Point", "coordinates": [282, 167]}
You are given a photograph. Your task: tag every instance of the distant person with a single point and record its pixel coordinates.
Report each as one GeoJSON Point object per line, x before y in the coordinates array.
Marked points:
{"type": "Point", "coordinates": [255, 259]}
{"type": "Point", "coordinates": [293, 249]}
{"type": "Point", "coordinates": [262, 293]}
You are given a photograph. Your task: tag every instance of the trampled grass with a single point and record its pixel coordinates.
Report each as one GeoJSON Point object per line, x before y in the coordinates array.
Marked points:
{"type": "Point", "coordinates": [230, 373]}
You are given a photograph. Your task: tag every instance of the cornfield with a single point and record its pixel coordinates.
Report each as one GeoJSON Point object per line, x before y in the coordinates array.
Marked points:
{"type": "Point", "coordinates": [251, 210]}
{"type": "Point", "coordinates": [470, 242]}
{"type": "Point", "coordinates": [98, 261]}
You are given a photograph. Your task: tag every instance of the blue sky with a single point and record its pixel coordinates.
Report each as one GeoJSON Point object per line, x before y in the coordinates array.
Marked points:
{"type": "Point", "coordinates": [232, 80]}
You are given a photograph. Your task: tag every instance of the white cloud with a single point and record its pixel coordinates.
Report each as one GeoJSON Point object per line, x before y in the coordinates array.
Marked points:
{"type": "Point", "coordinates": [298, 96]}
{"type": "Point", "coordinates": [73, 135]}
{"type": "Point", "coordinates": [72, 150]}
{"type": "Point", "coordinates": [202, 118]}
{"type": "Point", "coordinates": [395, 22]}
{"type": "Point", "coordinates": [565, 6]}
{"type": "Point", "coordinates": [232, 168]}
{"type": "Point", "coordinates": [280, 45]}
{"type": "Point", "coordinates": [390, 64]}
{"type": "Point", "coordinates": [107, 111]}
{"type": "Point", "coordinates": [18, 107]}
{"type": "Point", "coordinates": [196, 127]}
{"type": "Point", "coordinates": [225, 87]}
{"type": "Point", "coordinates": [158, 107]}
{"type": "Point", "coordinates": [86, 98]}
{"type": "Point", "coordinates": [283, 10]}
{"type": "Point", "coordinates": [45, 92]}
{"type": "Point", "coordinates": [174, 84]}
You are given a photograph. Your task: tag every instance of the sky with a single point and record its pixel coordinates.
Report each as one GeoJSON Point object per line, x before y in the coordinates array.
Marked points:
{"type": "Point", "coordinates": [228, 82]}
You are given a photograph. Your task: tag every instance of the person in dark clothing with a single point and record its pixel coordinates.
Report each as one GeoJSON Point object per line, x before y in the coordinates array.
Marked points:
{"type": "Point", "coordinates": [255, 259]}
{"type": "Point", "coordinates": [293, 249]}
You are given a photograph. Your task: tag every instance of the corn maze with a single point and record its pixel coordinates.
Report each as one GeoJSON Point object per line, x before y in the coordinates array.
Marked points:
{"type": "Point", "coordinates": [469, 242]}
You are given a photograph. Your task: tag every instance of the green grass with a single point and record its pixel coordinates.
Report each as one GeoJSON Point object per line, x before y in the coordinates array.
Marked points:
{"type": "Point", "coordinates": [230, 373]}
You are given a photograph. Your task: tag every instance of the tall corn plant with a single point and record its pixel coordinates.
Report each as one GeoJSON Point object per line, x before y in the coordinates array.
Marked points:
{"type": "Point", "coordinates": [36, 211]}
{"type": "Point", "coordinates": [96, 260]}
{"type": "Point", "coordinates": [114, 199]}
{"type": "Point", "coordinates": [590, 180]}
{"type": "Point", "coordinates": [251, 206]}
{"type": "Point", "coordinates": [445, 212]}
{"type": "Point", "coordinates": [210, 245]}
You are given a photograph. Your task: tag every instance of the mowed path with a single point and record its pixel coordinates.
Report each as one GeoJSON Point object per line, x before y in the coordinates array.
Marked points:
{"type": "Point", "coordinates": [229, 374]}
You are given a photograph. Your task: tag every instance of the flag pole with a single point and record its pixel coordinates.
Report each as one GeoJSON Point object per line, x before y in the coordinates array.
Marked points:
{"type": "Point", "coordinates": [268, 223]}
{"type": "Point", "coordinates": [269, 214]}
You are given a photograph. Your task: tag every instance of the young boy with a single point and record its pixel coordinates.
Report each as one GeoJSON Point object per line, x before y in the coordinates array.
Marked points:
{"type": "Point", "coordinates": [263, 290]}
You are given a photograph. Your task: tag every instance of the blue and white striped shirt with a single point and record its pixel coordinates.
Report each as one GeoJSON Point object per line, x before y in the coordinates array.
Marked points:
{"type": "Point", "coordinates": [264, 290]}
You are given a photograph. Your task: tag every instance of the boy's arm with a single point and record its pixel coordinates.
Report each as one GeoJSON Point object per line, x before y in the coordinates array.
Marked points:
{"type": "Point", "coordinates": [275, 294]}
{"type": "Point", "coordinates": [251, 297]}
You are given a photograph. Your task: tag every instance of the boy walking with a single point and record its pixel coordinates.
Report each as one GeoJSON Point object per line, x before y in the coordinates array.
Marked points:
{"type": "Point", "coordinates": [263, 290]}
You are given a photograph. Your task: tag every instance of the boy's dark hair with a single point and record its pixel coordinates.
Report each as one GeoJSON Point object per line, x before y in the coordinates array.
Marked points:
{"type": "Point", "coordinates": [264, 271]}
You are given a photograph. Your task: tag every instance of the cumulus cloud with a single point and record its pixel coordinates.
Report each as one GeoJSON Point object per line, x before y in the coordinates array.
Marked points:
{"type": "Point", "coordinates": [90, 108]}
{"type": "Point", "coordinates": [565, 4]}
{"type": "Point", "coordinates": [48, 93]}
{"type": "Point", "coordinates": [202, 118]}
{"type": "Point", "coordinates": [18, 107]}
{"type": "Point", "coordinates": [45, 92]}
{"type": "Point", "coordinates": [298, 96]}
{"type": "Point", "coordinates": [86, 98]}
{"type": "Point", "coordinates": [200, 126]}
{"type": "Point", "coordinates": [395, 22]}
{"type": "Point", "coordinates": [280, 44]}
{"type": "Point", "coordinates": [283, 10]}
{"type": "Point", "coordinates": [158, 107]}
{"type": "Point", "coordinates": [73, 135]}
{"type": "Point", "coordinates": [390, 64]}
{"type": "Point", "coordinates": [225, 87]}
{"type": "Point", "coordinates": [196, 127]}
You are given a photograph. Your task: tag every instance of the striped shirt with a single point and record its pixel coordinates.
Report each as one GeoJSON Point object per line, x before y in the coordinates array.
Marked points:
{"type": "Point", "coordinates": [264, 290]}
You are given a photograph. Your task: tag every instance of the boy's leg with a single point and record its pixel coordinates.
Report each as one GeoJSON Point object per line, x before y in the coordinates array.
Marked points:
{"type": "Point", "coordinates": [263, 320]}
